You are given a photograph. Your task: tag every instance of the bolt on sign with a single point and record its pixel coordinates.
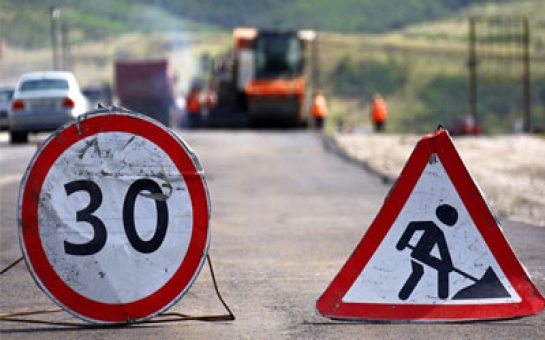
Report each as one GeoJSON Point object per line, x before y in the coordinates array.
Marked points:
{"type": "Point", "coordinates": [435, 252]}
{"type": "Point", "coordinates": [114, 217]}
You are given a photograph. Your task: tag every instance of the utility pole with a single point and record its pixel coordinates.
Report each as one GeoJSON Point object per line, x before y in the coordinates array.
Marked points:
{"type": "Point", "coordinates": [1, 37]}
{"type": "Point", "coordinates": [527, 121]}
{"type": "Point", "coordinates": [316, 63]}
{"type": "Point", "coordinates": [501, 44]}
{"type": "Point", "coordinates": [66, 49]}
{"type": "Point", "coordinates": [54, 15]}
{"type": "Point", "coordinates": [472, 64]}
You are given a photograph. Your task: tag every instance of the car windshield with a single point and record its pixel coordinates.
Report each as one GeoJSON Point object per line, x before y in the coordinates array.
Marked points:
{"type": "Point", "coordinates": [44, 84]}
{"type": "Point", "coordinates": [5, 95]}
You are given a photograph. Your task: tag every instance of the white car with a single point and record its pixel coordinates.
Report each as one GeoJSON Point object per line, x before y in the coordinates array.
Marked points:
{"type": "Point", "coordinates": [44, 101]}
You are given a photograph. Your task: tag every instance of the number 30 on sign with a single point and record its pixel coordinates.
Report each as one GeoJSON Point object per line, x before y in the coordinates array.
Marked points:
{"type": "Point", "coordinates": [113, 217]}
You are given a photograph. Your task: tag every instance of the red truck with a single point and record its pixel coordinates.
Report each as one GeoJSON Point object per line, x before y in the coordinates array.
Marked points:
{"type": "Point", "coordinates": [147, 87]}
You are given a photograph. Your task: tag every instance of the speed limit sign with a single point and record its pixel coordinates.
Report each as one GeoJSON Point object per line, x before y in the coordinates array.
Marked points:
{"type": "Point", "coordinates": [114, 217]}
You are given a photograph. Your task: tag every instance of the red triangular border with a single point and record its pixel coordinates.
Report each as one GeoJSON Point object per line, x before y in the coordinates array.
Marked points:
{"type": "Point", "coordinates": [330, 304]}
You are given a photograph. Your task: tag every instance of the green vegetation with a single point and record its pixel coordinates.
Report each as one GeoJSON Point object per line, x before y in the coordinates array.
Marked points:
{"type": "Point", "coordinates": [363, 79]}
{"type": "Point", "coordinates": [24, 20]}
{"type": "Point", "coordinates": [26, 23]}
{"type": "Point", "coordinates": [413, 52]}
{"type": "Point", "coordinates": [428, 65]}
{"type": "Point", "coordinates": [324, 15]}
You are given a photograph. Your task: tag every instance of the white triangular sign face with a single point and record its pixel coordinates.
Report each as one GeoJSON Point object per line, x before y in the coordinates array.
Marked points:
{"type": "Point", "coordinates": [459, 246]}
{"type": "Point", "coordinates": [434, 252]}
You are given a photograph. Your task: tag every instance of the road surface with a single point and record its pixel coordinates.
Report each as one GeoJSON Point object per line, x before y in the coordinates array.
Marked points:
{"type": "Point", "coordinates": [286, 215]}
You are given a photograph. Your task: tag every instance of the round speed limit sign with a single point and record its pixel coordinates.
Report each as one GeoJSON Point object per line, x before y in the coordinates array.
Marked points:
{"type": "Point", "coordinates": [114, 217]}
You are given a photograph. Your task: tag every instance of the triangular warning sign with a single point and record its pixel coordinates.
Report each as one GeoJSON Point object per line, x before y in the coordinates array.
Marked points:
{"type": "Point", "coordinates": [435, 251]}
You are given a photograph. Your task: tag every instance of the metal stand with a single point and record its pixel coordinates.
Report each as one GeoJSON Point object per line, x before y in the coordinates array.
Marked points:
{"type": "Point", "coordinates": [22, 316]}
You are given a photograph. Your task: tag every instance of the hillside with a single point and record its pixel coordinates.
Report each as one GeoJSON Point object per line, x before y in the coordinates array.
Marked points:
{"type": "Point", "coordinates": [423, 70]}
{"type": "Point", "coordinates": [348, 16]}
{"type": "Point", "coordinates": [101, 18]}
{"type": "Point", "coordinates": [420, 67]}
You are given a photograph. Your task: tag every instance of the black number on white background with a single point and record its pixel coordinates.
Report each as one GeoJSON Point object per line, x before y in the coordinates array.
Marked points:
{"type": "Point", "coordinates": [100, 233]}
{"type": "Point", "coordinates": [86, 215]}
{"type": "Point", "coordinates": [154, 243]}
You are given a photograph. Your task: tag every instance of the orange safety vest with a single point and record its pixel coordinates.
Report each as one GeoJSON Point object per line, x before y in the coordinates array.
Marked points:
{"type": "Point", "coordinates": [319, 107]}
{"type": "Point", "coordinates": [193, 103]}
{"type": "Point", "coordinates": [379, 113]}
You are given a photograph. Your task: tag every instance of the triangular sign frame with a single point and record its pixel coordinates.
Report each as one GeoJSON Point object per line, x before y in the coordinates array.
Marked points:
{"type": "Point", "coordinates": [429, 148]}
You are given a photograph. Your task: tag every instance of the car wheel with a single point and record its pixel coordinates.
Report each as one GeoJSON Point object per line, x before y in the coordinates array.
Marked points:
{"type": "Point", "coordinates": [18, 137]}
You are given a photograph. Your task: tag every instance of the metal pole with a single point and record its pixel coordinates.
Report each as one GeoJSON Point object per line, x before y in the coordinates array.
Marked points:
{"type": "Point", "coordinates": [54, 16]}
{"type": "Point", "coordinates": [527, 121]}
{"type": "Point", "coordinates": [66, 60]}
{"type": "Point", "coordinates": [1, 38]}
{"type": "Point", "coordinates": [472, 64]}
{"type": "Point", "coordinates": [316, 63]}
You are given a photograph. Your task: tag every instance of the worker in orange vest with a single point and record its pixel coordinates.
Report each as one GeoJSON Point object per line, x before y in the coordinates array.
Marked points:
{"type": "Point", "coordinates": [319, 110]}
{"type": "Point", "coordinates": [193, 105]}
{"type": "Point", "coordinates": [379, 114]}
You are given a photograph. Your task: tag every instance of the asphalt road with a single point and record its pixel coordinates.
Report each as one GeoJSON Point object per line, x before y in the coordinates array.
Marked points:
{"type": "Point", "coordinates": [286, 215]}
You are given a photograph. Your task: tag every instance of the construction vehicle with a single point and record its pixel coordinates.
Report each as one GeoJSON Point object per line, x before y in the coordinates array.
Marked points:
{"type": "Point", "coordinates": [147, 87]}
{"type": "Point", "coordinates": [266, 79]}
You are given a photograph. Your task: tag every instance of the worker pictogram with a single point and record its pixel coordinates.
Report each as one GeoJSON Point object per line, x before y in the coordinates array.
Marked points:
{"type": "Point", "coordinates": [435, 251]}
{"type": "Point", "coordinates": [421, 253]}
{"type": "Point", "coordinates": [113, 217]}
{"type": "Point", "coordinates": [433, 238]}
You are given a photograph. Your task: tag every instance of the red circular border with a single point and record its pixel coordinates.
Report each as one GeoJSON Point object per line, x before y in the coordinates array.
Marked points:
{"type": "Point", "coordinates": [33, 250]}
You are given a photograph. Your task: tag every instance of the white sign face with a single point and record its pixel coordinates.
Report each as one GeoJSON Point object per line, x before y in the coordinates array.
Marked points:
{"type": "Point", "coordinates": [98, 172]}
{"type": "Point", "coordinates": [113, 216]}
{"type": "Point", "coordinates": [423, 260]}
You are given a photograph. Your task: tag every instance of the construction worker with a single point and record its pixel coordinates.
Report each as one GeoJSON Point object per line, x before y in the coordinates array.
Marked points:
{"type": "Point", "coordinates": [194, 110]}
{"type": "Point", "coordinates": [379, 114]}
{"type": "Point", "coordinates": [319, 110]}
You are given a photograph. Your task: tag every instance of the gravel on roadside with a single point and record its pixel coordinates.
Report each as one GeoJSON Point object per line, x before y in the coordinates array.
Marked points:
{"type": "Point", "coordinates": [510, 169]}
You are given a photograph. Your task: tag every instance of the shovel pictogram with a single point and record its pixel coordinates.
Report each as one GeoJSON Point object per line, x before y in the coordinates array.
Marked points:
{"type": "Point", "coordinates": [488, 286]}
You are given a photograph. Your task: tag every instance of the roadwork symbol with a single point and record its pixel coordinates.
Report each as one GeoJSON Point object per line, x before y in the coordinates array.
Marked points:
{"type": "Point", "coordinates": [421, 253]}
{"type": "Point", "coordinates": [435, 251]}
{"type": "Point", "coordinates": [433, 237]}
